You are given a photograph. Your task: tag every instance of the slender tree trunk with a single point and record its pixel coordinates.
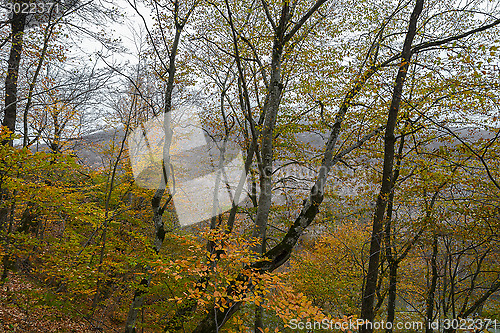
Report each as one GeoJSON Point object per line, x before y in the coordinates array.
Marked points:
{"type": "Point", "coordinates": [367, 312]}
{"type": "Point", "coordinates": [156, 201]}
{"type": "Point", "coordinates": [10, 112]}
{"type": "Point", "coordinates": [246, 108]}
{"type": "Point", "coordinates": [110, 188]}
{"type": "Point", "coordinates": [159, 234]}
{"type": "Point", "coordinates": [259, 323]}
{"type": "Point", "coordinates": [391, 302]}
{"type": "Point", "coordinates": [429, 313]}
{"type": "Point", "coordinates": [390, 254]}
{"type": "Point", "coordinates": [271, 113]}
{"type": "Point", "coordinates": [259, 311]}
{"type": "Point", "coordinates": [47, 34]}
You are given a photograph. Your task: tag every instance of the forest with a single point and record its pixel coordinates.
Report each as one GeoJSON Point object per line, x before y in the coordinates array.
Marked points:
{"type": "Point", "coordinates": [210, 166]}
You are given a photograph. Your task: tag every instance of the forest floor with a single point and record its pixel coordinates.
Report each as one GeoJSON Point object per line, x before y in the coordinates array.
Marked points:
{"type": "Point", "coordinates": [20, 313]}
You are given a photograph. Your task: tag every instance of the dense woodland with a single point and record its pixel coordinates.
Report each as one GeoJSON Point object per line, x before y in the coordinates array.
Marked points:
{"type": "Point", "coordinates": [370, 138]}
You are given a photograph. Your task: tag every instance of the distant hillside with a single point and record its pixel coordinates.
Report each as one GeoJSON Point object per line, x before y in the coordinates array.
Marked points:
{"type": "Point", "coordinates": [89, 148]}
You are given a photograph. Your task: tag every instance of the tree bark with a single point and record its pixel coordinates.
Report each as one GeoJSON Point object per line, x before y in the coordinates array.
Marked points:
{"type": "Point", "coordinates": [17, 24]}
{"type": "Point", "coordinates": [367, 312]}
{"type": "Point", "coordinates": [271, 113]}
{"type": "Point", "coordinates": [389, 253]}
{"type": "Point", "coordinates": [432, 289]}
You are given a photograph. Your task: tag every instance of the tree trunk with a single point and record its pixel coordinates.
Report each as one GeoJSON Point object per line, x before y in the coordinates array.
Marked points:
{"type": "Point", "coordinates": [367, 312]}
{"type": "Point", "coordinates": [390, 250]}
{"type": "Point", "coordinates": [156, 204]}
{"type": "Point", "coordinates": [271, 113]}
{"type": "Point", "coordinates": [47, 35]}
{"type": "Point", "coordinates": [259, 323]}
{"type": "Point", "coordinates": [432, 289]}
{"type": "Point", "coordinates": [259, 311]}
{"type": "Point", "coordinates": [391, 302]}
{"type": "Point", "coordinates": [18, 23]}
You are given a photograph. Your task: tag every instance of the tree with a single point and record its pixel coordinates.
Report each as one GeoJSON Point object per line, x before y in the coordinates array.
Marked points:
{"type": "Point", "coordinates": [387, 177]}
{"type": "Point", "coordinates": [181, 13]}
{"type": "Point", "coordinates": [17, 24]}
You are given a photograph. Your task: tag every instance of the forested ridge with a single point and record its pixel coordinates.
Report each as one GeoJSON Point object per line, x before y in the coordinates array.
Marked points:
{"type": "Point", "coordinates": [250, 166]}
